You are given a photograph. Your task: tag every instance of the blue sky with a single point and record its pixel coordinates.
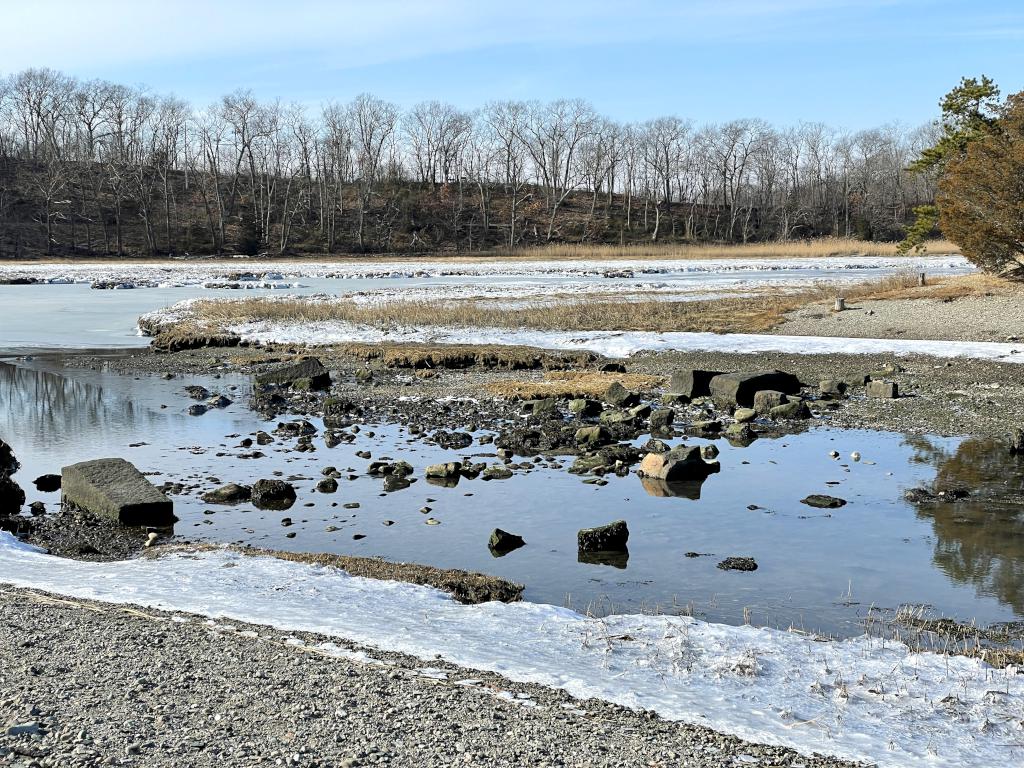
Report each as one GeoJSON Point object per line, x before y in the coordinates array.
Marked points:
{"type": "Point", "coordinates": [848, 64]}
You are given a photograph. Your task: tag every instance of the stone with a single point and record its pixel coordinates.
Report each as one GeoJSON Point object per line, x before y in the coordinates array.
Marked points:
{"type": "Point", "coordinates": [744, 415]}
{"type": "Point", "coordinates": [232, 493]}
{"type": "Point", "coordinates": [613, 368]}
{"type": "Point", "coordinates": [197, 392]}
{"type": "Point", "coordinates": [8, 463]}
{"type": "Point", "coordinates": [593, 437]}
{"type": "Point", "coordinates": [795, 409]}
{"type": "Point", "coordinates": [497, 472]}
{"type": "Point", "coordinates": [662, 419]}
{"type": "Point", "coordinates": [545, 407]}
{"type": "Point", "coordinates": [738, 564]}
{"type": "Point", "coordinates": [766, 399]}
{"type": "Point", "coordinates": [740, 388]}
{"type": "Point", "coordinates": [584, 408]}
{"type": "Point", "coordinates": [197, 410]}
{"type": "Point", "coordinates": [681, 463]}
{"type": "Point", "coordinates": [273, 494]}
{"type": "Point", "coordinates": [307, 373]}
{"type": "Point", "coordinates": [327, 485]}
{"type": "Point", "coordinates": [603, 538]}
{"type": "Point", "coordinates": [12, 497]}
{"type": "Point", "coordinates": [113, 488]}
{"type": "Point", "coordinates": [691, 383]}
{"type": "Point", "coordinates": [444, 471]}
{"type": "Point", "coordinates": [620, 397]}
{"type": "Point", "coordinates": [708, 427]}
{"type": "Point", "coordinates": [739, 431]}
{"type": "Point", "coordinates": [618, 418]}
{"type": "Point", "coordinates": [885, 390]}
{"type": "Point", "coordinates": [502, 542]}
{"type": "Point", "coordinates": [822, 501]}
{"type": "Point", "coordinates": [832, 389]}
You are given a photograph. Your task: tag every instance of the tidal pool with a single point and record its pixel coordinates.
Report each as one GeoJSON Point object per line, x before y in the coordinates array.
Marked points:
{"type": "Point", "coordinates": [821, 570]}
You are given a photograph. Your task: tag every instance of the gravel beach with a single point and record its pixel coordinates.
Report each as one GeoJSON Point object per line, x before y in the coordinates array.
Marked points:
{"type": "Point", "coordinates": [90, 684]}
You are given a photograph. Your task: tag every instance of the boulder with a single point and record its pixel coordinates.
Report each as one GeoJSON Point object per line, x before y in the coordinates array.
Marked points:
{"type": "Point", "coordinates": [8, 463]}
{"type": "Point", "coordinates": [273, 494]}
{"type": "Point", "coordinates": [12, 497]}
{"type": "Point", "coordinates": [662, 419]}
{"type": "Point", "coordinates": [603, 538]}
{"type": "Point", "coordinates": [232, 493]}
{"type": "Point", "coordinates": [497, 472]}
{"type": "Point", "coordinates": [744, 415]}
{"type": "Point", "coordinates": [593, 437]}
{"type": "Point", "coordinates": [620, 397]}
{"type": "Point", "coordinates": [766, 399]}
{"type": "Point", "coordinates": [832, 389]}
{"type": "Point", "coordinates": [503, 542]}
{"type": "Point", "coordinates": [681, 463]}
{"type": "Point", "coordinates": [327, 485]}
{"type": "Point", "coordinates": [444, 471]}
{"type": "Point", "coordinates": [584, 408]}
{"type": "Point", "coordinates": [618, 418]}
{"type": "Point", "coordinates": [547, 406]}
{"type": "Point", "coordinates": [307, 373]}
{"type": "Point", "coordinates": [796, 409]}
{"type": "Point", "coordinates": [115, 489]}
{"type": "Point", "coordinates": [740, 388]}
{"type": "Point", "coordinates": [691, 383]}
{"type": "Point", "coordinates": [47, 483]}
{"type": "Point", "coordinates": [885, 390]}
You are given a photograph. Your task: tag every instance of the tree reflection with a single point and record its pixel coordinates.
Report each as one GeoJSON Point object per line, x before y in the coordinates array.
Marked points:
{"type": "Point", "coordinates": [979, 540]}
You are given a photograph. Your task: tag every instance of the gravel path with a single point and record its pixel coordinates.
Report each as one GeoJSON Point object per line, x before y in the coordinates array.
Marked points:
{"type": "Point", "coordinates": [92, 684]}
{"type": "Point", "coordinates": [976, 318]}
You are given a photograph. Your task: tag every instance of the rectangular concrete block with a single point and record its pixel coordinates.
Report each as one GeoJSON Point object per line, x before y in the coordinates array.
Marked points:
{"type": "Point", "coordinates": [116, 490]}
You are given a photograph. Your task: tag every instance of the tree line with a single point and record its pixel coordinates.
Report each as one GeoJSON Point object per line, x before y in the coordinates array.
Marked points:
{"type": "Point", "coordinates": [93, 167]}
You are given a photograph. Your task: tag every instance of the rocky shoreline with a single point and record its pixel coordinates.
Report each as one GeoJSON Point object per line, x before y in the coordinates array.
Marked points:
{"type": "Point", "coordinates": [176, 689]}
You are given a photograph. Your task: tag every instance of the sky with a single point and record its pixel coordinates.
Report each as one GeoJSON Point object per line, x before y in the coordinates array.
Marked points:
{"type": "Point", "coordinates": [852, 64]}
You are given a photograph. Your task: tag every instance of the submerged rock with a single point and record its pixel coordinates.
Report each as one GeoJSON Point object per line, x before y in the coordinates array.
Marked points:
{"type": "Point", "coordinates": [738, 564]}
{"type": "Point", "coordinates": [823, 501]}
{"type": "Point", "coordinates": [230, 493]}
{"type": "Point", "coordinates": [502, 542]}
{"type": "Point", "coordinates": [273, 494]}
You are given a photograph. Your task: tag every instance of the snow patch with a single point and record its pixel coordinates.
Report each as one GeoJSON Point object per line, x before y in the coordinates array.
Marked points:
{"type": "Point", "coordinates": [862, 699]}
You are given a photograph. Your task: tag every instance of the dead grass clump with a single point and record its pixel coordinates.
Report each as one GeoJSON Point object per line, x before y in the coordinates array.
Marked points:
{"type": "Point", "coordinates": [950, 289]}
{"type": "Point", "coordinates": [572, 384]}
{"type": "Point", "coordinates": [465, 586]}
{"type": "Point", "coordinates": [436, 356]}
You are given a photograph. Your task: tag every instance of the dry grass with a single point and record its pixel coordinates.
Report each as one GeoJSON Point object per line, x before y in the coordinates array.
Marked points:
{"type": "Point", "coordinates": [825, 246]}
{"type": "Point", "coordinates": [424, 357]}
{"type": "Point", "coordinates": [755, 314]}
{"type": "Point", "coordinates": [572, 384]}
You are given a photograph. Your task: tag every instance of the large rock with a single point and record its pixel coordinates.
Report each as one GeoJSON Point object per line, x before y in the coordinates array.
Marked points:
{"type": "Point", "coordinates": [620, 397]}
{"type": "Point", "coordinates": [885, 390]}
{"type": "Point", "coordinates": [603, 538]}
{"type": "Point", "coordinates": [740, 388]}
{"type": "Point", "coordinates": [12, 497]}
{"type": "Point", "coordinates": [681, 463]}
{"type": "Point", "coordinates": [593, 436]}
{"type": "Point", "coordinates": [503, 542]}
{"type": "Point", "coordinates": [307, 373]}
{"type": "Point", "coordinates": [273, 494]}
{"type": "Point", "coordinates": [8, 463]}
{"type": "Point", "coordinates": [691, 383]}
{"type": "Point", "coordinates": [232, 493]}
{"type": "Point", "coordinates": [115, 489]}
{"type": "Point", "coordinates": [766, 399]}
{"type": "Point", "coordinates": [444, 471]}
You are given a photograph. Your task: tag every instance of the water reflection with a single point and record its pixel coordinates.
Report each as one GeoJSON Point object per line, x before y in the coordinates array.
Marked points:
{"type": "Point", "coordinates": [979, 540]}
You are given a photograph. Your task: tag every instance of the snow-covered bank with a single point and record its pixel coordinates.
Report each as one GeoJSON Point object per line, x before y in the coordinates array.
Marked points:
{"type": "Point", "coordinates": [251, 273]}
{"type": "Point", "coordinates": [861, 699]}
{"type": "Point", "coordinates": [625, 343]}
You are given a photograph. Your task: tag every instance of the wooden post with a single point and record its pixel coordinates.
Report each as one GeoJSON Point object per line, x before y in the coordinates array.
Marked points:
{"type": "Point", "coordinates": [840, 304]}
{"type": "Point", "coordinates": [920, 279]}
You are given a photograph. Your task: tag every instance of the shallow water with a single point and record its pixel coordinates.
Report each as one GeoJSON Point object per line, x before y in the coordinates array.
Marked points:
{"type": "Point", "coordinates": [69, 316]}
{"type": "Point", "coordinates": [818, 569]}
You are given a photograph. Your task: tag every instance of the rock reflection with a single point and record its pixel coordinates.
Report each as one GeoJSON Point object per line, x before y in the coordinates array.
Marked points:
{"type": "Point", "coordinates": [689, 489]}
{"type": "Point", "coordinates": [618, 558]}
{"type": "Point", "coordinates": [979, 540]}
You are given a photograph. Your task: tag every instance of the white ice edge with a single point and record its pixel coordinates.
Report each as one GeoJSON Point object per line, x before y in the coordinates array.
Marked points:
{"type": "Point", "coordinates": [861, 699]}
{"type": "Point", "coordinates": [181, 273]}
{"type": "Point", "coordinates": [625, 343]}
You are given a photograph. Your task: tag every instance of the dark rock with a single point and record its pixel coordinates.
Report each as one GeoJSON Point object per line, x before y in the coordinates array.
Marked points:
{"type": "Point", "coordinates": [662, 419]}
{"type": "Point", "coordinates": [766, 399]}
{"type": "Point", "coordinates": [307, 373]}
{"type": "Point", "coordinates": [740, 388]}
{"type": "Point", "coordinates": [232, 493]}
{"type": "Point", "coordinates": [327, 485]}
{"type": "Point", "coordinates": [738, 564]}
{"type": "Point", "coordinates": [603, 538]}
{"type": "Point", "coordinates": [47, 483]}
{"type": "Point", "coordinates": [1016, 441]}
{"type": "Point", "coordinates": [503, 542]}
{"type": "Point", "coordinates": [452, 441]}
{"type": "Point", "coordinates": [795, 409]}
{"type": "Point", "coordinates": [8, 463]}
{"type": "Point", "coordinates": [273, 494]}
{"type": "Point", "coordinates": [197, 410]}
{"type": "Point", "coordinates": [12, 497]}
{"type": "Point", "coordinates": [593, 437]}
{"type": "Point", "coordinates": [584, 408]}
{"type": "Point", "coordinates": [832, 389]}
{"type": "Point", "coordinates": [691, 383]}
{"type": "Point", "coordinates": [616, 558]}
{"type": "Point", "coordinates": [613, 368]}
{"type": "Point", "coordinates": [197, 392]}
{"type": "Point", "coordinates": [681, 463]}
{"type": "Point", "coordinates": [620, 397]}
{"type": "Point", "coordinates": [822, 501]}
{"type": "Point", "coordinates": [116, 490]}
